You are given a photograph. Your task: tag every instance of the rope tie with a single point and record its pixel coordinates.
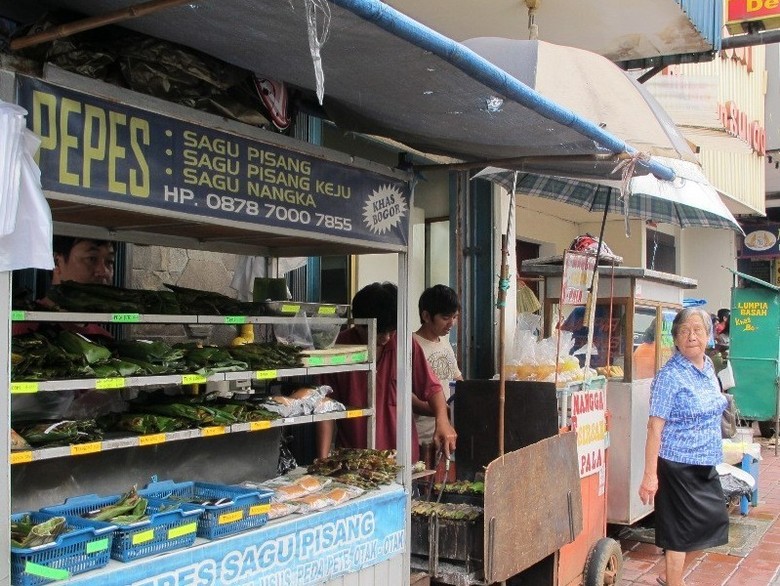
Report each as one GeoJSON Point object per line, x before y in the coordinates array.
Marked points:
{"type": "Point", "coordinates": [627, 167]}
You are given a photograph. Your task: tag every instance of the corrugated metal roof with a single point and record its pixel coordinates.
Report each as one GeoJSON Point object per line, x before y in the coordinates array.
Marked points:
{"type": "Point", "coordinates": [707, 17]}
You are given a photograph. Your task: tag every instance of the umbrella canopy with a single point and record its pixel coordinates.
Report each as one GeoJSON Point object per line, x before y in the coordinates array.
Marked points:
{"type": "Point", "coordinates": [594, 88]}
{"type": "Point", "coordinates": [689, 200]}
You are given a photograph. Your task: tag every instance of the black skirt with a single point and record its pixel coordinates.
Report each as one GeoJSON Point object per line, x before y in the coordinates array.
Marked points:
{"type": "Point", "coordinates": [690, 508]}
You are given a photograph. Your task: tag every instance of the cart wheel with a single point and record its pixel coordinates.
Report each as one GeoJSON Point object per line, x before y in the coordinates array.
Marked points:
{"type": "Point", "coordinates": [767, 429]}
{"type": "Point", "coordinates": [604, 564]}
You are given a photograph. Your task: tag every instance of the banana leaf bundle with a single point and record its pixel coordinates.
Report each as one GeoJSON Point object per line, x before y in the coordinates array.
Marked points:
{"type": "Point", "coordinates": [364, 468]}
{"type": "Point", "coordinates": [36, 357]}
{"type": "Point", "coordinates": [61, 433]}
{"type": "Point", "coordinates": [455, 512]}
{"type": "Point", "coordinates": [82, 346]}
{"type": "Point", "coordinates": [268, 355]}
{"type": "Point", "coordinates": [143, 423]}
{"type": "Point", "coordinates": [150, 352]}
{"type": "Point", "coordinates": [245, 411]}
{"type": "Point", "coordinates": [210, 359]}
{"type": "Point", "coordinates": [200, 414]}
{"type": "Point", "coordinates": [97, 298]}
{"type": "Point", "coordinates": [130, 508]}
{"type": "Point", "coordinates": [211, 303]}
{"type": "Point", "coordinates": [114, 367]}
{"type": "Point", "coordinates": [26, 534]}
{"type": "Point", "coordinates": [461, 487]}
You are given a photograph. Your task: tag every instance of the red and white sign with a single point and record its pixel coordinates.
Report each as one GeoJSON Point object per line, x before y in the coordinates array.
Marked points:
{"type": "Point", "coordinates": [763, 12]}
{"type": "Point", "coordinates": [589, 420]}
{"type": "Point", "coordinates": [577, 272]}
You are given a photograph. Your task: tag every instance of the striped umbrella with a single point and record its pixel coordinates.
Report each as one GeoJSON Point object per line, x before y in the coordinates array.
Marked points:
{"type": "Point", "coordinates": [689, 200]}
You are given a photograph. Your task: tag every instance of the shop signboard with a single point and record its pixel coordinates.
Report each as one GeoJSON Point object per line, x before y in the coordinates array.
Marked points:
{"type": "Point", "coordinates": [761, 241]}
{"type": "Point", "coordinates": [114, 152]}
{"type": "Point", "coordinates": [746, 14]}
{"type": "Point", "coordinates": [577, 272]}
{"type": "Point", "coordinates": [300, 550]}
{"type": "Point", "coordinates": [589, 420]}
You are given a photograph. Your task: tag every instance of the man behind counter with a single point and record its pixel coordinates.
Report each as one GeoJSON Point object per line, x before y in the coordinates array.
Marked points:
{"type": "Point", "coordinates": [82, 260]}
{"type": "Point", "coordinates": [380, 301]}
{"type": "Point", "coordinates": [75, 259]}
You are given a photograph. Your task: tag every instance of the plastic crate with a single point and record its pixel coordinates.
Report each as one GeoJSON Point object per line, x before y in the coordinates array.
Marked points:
{"type": "Point", "coordinates": [85, 546]}
{"type": "Point", "coordinates": [166, 528]}
{"type": "Point", "coordinates": [247, 509]}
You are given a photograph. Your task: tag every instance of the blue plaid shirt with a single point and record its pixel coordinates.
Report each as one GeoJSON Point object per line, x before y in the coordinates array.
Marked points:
{"type": "Point", "coordinates": [690, 402]}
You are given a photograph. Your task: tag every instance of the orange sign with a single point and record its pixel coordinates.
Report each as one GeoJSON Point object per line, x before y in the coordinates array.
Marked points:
{"type": "Point", "coordinates": [764, 13]}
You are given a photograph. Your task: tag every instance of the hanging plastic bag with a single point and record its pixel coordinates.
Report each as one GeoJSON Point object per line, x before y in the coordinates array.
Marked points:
{"type": "Point", "coordinates": [30, 243]}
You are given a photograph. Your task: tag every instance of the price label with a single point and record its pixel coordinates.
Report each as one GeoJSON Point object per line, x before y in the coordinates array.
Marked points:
{"type": "Point", "coordinates": [151, 439]}
{"type": "Point", "coordinates": [109, 383]}
{"type": "Point", "coordinates": [96, 546]}
{"type": "Point", "coordinates": [125, 318]}
{"type": "Point", "coordinates": [358, 357]}
{"type": "Point", "coordinates": [42, 571]}
{"type": "Point", "coordinates": [235, 319]}
{"type": "Point", "coordinates": [81, 449]}
{"type": "Point", "coordinates": [212, 431]}
{"type": "Point", "coordinates": [289, 308]}
{"type": "Point", "coordinates": [143, 537]}
{"type": "Point", "coordinates": [183, 530]}
{"type": "Point", "coordinates": [230, 517]}
{"type": "Point", "coordinates": [327, 310]}
{"type": "Point", "coordinates": [266, 374]}
{"type": "Point", "coordinates": [24, 387]}
{"type": "Point", "coordinates": [21, 457]}
{"type": "Point", "coordinates": [259, 510]}
{"type": "Point", "coordinates": [192, 379]}
{"type": "Point", "coordinates": [259, 425]}
{"type": "Point", "coordinates": [316, 361]}
{"type": "Point", "coordinates": [354, 413]}
{"type": "Point", "coordinates": [17, 315]}
{"type": "Point", "coordinates": [341, 359]}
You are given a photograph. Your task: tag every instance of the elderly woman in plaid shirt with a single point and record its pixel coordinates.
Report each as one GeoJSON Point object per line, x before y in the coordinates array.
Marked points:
{"type": "Point", "coordinates": [683, 447]}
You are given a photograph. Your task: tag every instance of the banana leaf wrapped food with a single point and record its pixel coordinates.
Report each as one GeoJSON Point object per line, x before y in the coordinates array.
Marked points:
{"type": "Point", "coordinates": [142, 423]}
{"type": "Point", "coordinates": [211, 303]}
{"type": "Point", "coordinates": [130, 508]}
{"type": "Point", "coordinates": [267, 355]}
{"type": "Point", "coordinates": [456, 512]}
{"type": "Point", "coordinates": [61, 433]}
{"type": "Point", "coordinates": [26, 534]}
{"type": "Point", "coordinates": [200, 414]}
{"type": "Point", "coordinates": [98, 298]}
{"type": "Point", "coordinates": [153, 357]}
{"type": "Point", "coordinates": [37, 357]}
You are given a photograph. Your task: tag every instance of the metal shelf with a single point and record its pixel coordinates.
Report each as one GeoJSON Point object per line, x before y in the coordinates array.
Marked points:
{"type": "Point", "coordinates": [120, 443]}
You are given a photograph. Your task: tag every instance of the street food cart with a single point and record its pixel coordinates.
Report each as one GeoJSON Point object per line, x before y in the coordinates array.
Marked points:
{"type": "Point", "coordinates": [545, 475]}
{"type": "Point", "coordinates": [753, 350]}
{"type": "Point", "coordinates": [633, 319]}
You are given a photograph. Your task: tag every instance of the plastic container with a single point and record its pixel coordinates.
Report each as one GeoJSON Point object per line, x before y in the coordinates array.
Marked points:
{"type": "Point", "coordinates": [165, 530]}
{"type": "Point", "coordinates": [743, 435]}
{"type": "Point", "coordinates": [85, 546]}
{"type": "Point", "coordinates": [247, 509]}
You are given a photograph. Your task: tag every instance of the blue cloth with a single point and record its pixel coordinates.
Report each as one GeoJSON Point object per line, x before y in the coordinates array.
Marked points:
{"type": "Point", "coordinates": [692, 302]}
{"type": "Point", "coordinates": [690, 402]}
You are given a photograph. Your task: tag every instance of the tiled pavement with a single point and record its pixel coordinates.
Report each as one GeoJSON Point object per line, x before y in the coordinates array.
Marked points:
{"type": "Point", "coordinates": [643, 561]}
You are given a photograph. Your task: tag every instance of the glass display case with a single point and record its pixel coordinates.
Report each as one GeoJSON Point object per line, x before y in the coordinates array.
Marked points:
{"type": "Point", "coordinates": [632, 331]}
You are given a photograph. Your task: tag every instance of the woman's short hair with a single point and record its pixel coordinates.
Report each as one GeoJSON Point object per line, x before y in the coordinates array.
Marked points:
{"type": "Point", "coordinates": [687, 313]}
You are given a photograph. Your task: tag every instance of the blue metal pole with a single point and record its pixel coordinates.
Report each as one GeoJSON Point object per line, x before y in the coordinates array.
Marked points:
{"type": "Point", "coordinates": [493, 77]}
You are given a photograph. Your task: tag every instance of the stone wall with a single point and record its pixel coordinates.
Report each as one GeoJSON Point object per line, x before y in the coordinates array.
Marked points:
{"type": "Point", "coordinates": [151, 267]}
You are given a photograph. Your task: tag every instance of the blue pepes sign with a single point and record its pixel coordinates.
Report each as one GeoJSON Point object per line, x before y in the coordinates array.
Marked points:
{"type": "Point", "coordinates": [297, 551]}
{"type": "Point", "coordinates": [119, 153]}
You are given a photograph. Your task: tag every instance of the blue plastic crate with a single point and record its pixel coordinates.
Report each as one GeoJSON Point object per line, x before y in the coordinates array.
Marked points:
{"type": "Point", "coordinates": [247, 509]}
{"type": "Point", "coordinates": [85, 546]}
{"type": "Point", "coordinates": [166, 528]}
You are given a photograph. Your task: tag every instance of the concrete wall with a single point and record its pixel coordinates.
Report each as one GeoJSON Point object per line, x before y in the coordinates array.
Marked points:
{"type": "Point", "coordinates": [703, 254]}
